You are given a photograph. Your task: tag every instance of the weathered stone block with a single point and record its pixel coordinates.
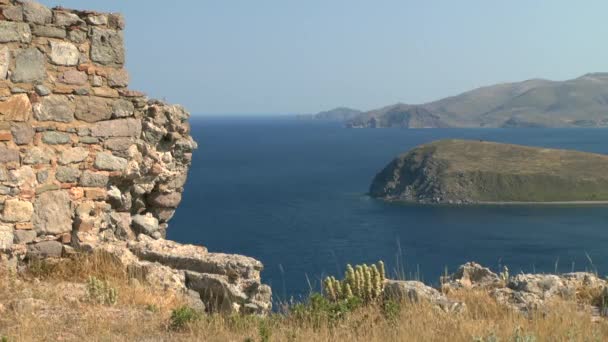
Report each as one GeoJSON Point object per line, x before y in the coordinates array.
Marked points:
{"type": "Point", "coordinates": [24, 236]}
{"type": "Point", "coordinates": [66, 174]}
{"type": "Point", "coordinates": [8, 155]}
{"type": "Point", "coordinates": [122, 109]}
{"type": "Point", "coordinates": [13, 13]}
{"type": "Point", "coordinates": [15, 32]}
{"type": "Point", "coordinates": [53, 213]}
{"type": "Point", "coordinates": [17, 211]}
{"type": "Point", "coordinates": [36, 13]}
{"type": "Point", "coordinates": [37, 155]}
{"type": "Point", "coordinates": [118, 78]}
{"type": "Point", "coordinates": [6, 238]}
{"type": "Point", "coordinates": [62, 18]}
{"type": "Point", "coordinates": [73, 76]}
{"type": "Point", "coordinates": [93, 179]}
{"type": "Point", "coordinates": [5, 60]}
{"type": "Point", "coordinates": [49, 31]}
{"type": "Point", "coordinates": [108, 162]}
{"type": "Point", "coordinates": [93, 109]}
{"type": "Point", "coordinates": [118, 144]}
{"type": "Point", "coordinates": [64, 53]}
{"type": "Point", "coordinates": [107, 46]}
{"type": "Point", "coordinates": [117, 128]}
{"type": "Point", "coordinates": [55, 138]}
{"type": "Point", "coordinates": [16, 108]}
{"type": "Point", "coordinates": [23, 133]}
{"type": "Point", "coordinates": [145, 224]}
{"type": "Point", "coordinates": [30, 66]}
{"type": "Point", "coordinates": [73, 155]}
{"type": "Point", "coordinates": [45, 249]}
{"type": "Point", "coordinates": [170, 200]}
{"type": "Point", "coordinates": [57, 108]}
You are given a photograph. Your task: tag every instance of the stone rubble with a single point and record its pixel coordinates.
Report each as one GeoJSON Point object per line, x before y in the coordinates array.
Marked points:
{"type": "Point", "coordinates": [86, 163]}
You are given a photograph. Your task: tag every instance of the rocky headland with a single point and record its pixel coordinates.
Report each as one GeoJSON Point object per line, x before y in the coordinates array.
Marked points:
{"type": "Point", "coordinates": [88, 165]}
{"type": "Point", "coordinates": [534, 103]}
{"type": "Point", "coordinates": [463, 171]}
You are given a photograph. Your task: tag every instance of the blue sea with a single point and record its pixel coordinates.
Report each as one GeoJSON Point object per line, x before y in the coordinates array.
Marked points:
{"type": "Point", "coordinates": [292, 193]}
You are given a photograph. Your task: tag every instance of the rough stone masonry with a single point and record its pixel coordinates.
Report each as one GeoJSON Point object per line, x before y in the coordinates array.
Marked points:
{"type": "Point", "coordinates": [87, 164]}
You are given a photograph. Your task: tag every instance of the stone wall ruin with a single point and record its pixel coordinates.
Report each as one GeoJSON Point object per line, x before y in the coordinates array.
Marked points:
{"type": "Point", "coordinates": [87, 164]}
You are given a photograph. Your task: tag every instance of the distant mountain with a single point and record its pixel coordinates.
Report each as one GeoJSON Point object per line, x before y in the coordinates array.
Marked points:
{"type": "Point", "coordinates": [336, 114]}
{"type": "Point", "coordinates": [580, 102]}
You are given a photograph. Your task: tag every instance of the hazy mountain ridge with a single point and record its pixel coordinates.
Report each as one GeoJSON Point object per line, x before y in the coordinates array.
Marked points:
{"type": "Point", "coordinates": [579, 102]}
{"type": "Point", "coordinates": [336, 114]}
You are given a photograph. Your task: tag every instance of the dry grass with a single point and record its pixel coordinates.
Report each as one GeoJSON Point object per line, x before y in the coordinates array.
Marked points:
{"type": "Point", "coordinates": [144, 315]}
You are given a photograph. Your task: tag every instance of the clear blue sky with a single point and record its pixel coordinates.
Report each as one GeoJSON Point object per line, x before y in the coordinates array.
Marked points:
{"type": "Point", "coordinates": [288, 56]}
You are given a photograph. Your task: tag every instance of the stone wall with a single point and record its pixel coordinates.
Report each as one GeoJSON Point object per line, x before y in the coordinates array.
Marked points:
{"type": "Point", "coordinates": [85, 163]}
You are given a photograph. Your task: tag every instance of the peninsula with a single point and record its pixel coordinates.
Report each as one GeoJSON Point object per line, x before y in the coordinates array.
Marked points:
{"type": "Point", "coordinates": [464, 171]}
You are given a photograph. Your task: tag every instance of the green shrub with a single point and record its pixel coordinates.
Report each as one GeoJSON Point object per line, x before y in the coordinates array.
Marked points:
{"type": "Point", "coordinates": [364, 282]}
{"type": "Point", "coordinates": [101, 292]}
{"type": "Point", "coordinates": [183, 316]}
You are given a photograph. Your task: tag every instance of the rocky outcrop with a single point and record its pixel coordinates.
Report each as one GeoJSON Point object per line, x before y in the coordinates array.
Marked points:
{"type": "Point", "coordinates": [397, 116]}
{"type": "Point", "coordinates": [87, 164]}
{"type": "Point", "coordinates": [416, 292]}
{"type": "Point", "coordinates": [467, 171]}
{"type": "Point", "coordinates": [530, 292]}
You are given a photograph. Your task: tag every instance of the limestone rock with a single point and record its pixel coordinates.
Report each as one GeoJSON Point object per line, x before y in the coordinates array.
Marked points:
{"type": "Point", "coordinates": [53, 213]}
{"type": "Point", "coordinates": [16, 108]}
{"type": "Point", "coordinates": [57, 108]}
{"type": "Point", "coordinates": [107, 46]}
{"type": "Point", "coordinates": [470, 275]}
{"type": "Point", "coordinates": [30, 66]}
{"type": "Point", "coordinates": [64, 53]}
{"type": "Point", "coordinates": [14, 32]}
{"type": "Point", "coordinates": [17, 211]}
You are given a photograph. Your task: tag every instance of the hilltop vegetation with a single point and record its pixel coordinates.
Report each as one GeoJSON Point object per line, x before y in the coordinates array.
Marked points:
{"type": "Point", "coordinates": [580, 102]}
{"type": "Point", "coordinates": [462, 171]}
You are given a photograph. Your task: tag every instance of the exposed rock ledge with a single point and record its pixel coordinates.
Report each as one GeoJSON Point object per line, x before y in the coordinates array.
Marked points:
{"type": "Point", "coordinates": [525, 293]}
{"type": "Point", "coordinates": [87, 164]}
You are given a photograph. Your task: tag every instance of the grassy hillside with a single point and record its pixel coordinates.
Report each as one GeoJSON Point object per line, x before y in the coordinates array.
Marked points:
{"type": "Point", "coordinates": [58, 301]}
{"type": "Point", "coordinates": [455, 171]}
{"type": "Point", "coordinates": [580, 102]}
